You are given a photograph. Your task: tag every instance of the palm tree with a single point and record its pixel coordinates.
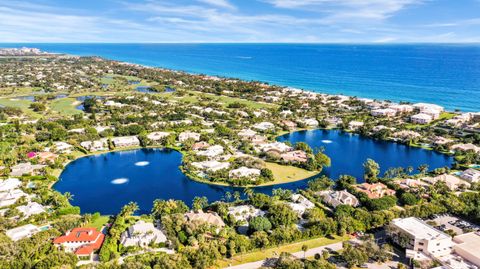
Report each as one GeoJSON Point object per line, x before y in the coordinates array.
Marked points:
{"type": "Point", "coordinates": [68, 196]}
{"type": "Point", "coordinates": [248, 192]}
{"type": "Point", "coordinates": [304, 249]}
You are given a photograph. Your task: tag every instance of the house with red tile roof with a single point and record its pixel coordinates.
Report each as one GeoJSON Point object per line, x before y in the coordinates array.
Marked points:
{"type": "Point", "coordinates": [375, 190]}
{"type": "Point", "coordinates": [81, 241]}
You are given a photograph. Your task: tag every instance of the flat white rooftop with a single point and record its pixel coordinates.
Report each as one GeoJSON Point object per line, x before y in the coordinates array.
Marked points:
{"type": "Point", "coordinates": [419, 229]}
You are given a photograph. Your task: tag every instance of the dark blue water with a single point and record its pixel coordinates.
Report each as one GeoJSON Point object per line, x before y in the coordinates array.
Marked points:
{"type": "Point", "coordinates": [349, 151]}
{"type": "Point", "coordinates": [90, 178]}
{"type": "Point", "coordinates": [448, 75]}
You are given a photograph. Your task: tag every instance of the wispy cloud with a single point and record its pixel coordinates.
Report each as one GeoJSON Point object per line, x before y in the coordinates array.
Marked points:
{"type": "Point", "coordinates": [350, 21]}
{"type": "Point", "coordinates": [219, 3]}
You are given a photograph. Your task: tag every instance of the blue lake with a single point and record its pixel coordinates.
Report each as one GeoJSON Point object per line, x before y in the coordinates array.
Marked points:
{"type": "Point", "coordinates": [349, 151]}
{"type": "Point", "coordinates": [105, 182]}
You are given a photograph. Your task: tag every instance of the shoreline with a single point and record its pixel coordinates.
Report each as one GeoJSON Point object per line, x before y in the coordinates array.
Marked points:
{"type": "Point", "coordinates": [229, 77]}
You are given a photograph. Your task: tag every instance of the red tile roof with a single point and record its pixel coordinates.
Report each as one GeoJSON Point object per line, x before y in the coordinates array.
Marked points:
{"type": "Point", "coordinates": [79, 234]}
{"type": "Point", "coordinates": [89, 248]}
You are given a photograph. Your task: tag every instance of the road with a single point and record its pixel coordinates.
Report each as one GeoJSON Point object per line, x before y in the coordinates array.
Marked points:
{"type": "Point", "coordinates": [309, 253]}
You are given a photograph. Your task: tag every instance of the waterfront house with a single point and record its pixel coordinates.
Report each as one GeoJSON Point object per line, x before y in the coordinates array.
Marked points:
{"type": "Point", "coordinates": [211, 165]}
{"type": "Point", "coordinates": [452, 182]}
{"type": "Point", "coordinates": [336, 198]}
{"type": "Point", "coordinates": [25, 169]}
{"type": "Point", "coordinates": [466, 147]}
{"type": "Point", "coordinates": [244, 213]}
{"type": "Point", "coordinates": [125, 141]}
{"type": "Point", "coordinates": [402, 108]}
{"type": "Point", "coordinates": [257, 139]}
{"type": "Point", "coordinates": [414, 234]}
{"type": "Point", "coordinates": [471, 175]}
{"type": "Point", "coordinates": [21, 232]}
{"type": "Point", "coordinates": [426, 106]}
{"type": "Point", "coordinates": [81, 241]}
{"type": "Point", "coordinates": [300, 204]}
{"type": "Point", "coordinates": [309, 122]}
{"type": "Point", "coordinates": [296, 156]}
{"type": "Point", "coordinates": [43, 156]}
{"type": "Point", "coordinates": [244, 172]}
{"type": "Point", "coordinates": [62, 147]}
{"type": "Point", "coordinates": [354, 125]}
{"type": "Point", "coordinates": [290, 125]}
{"type": "Point", "coordinates": [157, 136]}
{"type": "Point", "coordinates": [32, 208]}
{"type": "Point", "coordinates": [421, 118]}
{"type": "Point", "coordinates": [375, 190]}
{"type": "Point", "coordinates": [211, 218]}
{"type": "Point", "coordinates": [408, 183]}
{"type": "Point", "coordinates": [184, 136]}
{"type": "Point", "coordinates": [9, 184]}
{"type": "Point", "coordinates": [277, 146]}
{"type": "Point", "coordinates": [96, 145]}
{"type": "Point", "coordinates": [142, 234]}
{"type": "Point", "coordinates": [10, 197]}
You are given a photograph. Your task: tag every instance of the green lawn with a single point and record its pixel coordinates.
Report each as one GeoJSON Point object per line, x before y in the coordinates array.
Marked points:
{"type": "Point", "coordinates": [290, 248]}
{"type": "Point", "coordinates": [65, 106]}
{"type": "Point", "coordinates": [99, 222]}
{"type": "Point", "coordinates": [287, 173]}
{"type": "Point", "coordinates": [22, 104]}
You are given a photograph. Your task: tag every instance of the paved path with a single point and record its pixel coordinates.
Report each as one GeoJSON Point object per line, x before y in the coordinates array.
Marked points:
{"type": "Point", "coordinates": [309, 253]}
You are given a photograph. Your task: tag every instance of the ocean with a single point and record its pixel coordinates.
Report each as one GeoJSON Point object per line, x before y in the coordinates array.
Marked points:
{"type": "Point", "coordinates": [448, 75]}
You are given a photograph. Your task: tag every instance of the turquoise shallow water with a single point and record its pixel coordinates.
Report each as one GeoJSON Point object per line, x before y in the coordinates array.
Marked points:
{"type": "Point", "coordinates": [448, 75]}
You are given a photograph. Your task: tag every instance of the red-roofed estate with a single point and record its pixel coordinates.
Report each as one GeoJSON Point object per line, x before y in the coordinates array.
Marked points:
{"type": "Point", "coordinates": [81, 241]}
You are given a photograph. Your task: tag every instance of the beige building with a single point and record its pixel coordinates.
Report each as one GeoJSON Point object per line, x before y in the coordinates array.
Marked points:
{"type": "Point", "coordinates": [468, 247]}
{"type": "Point", "coordinates": [414, 234]}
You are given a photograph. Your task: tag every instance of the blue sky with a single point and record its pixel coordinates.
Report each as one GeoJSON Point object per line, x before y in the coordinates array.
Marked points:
{"type": "Point", "coordinates": [320, 21]}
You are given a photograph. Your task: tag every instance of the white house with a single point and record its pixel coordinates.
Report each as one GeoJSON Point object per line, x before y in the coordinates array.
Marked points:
{"type": "Point", "coordinates": [244, 212]}
{"type": "Point", "coordinates": [22, 232]}
{"type": "Point", "coordinates": [184, 136]}
{"type": "Point", "coordinates": [211, 165]}
{"type": "Point", "coordinates": [451, 181]}
{"type": "Point", "coordinates": [425, 106]}
{"type": "Point", "coordinates": [278, 146]}
{"type": "Point", "coordinates": [384, 112]}
{"type": "Point", "coordinates": [30, 209]}
{"type": "Point", "coordinates": [211, 151]}
{"type": "Point", "coordinates": [300, 204]}
{"type": "Point", "coordinates": [402, 108]}
{"type": "Point", "coordinates": [310, 122]}
{"type": "Point", "coordinates": [125, 141]}
{"type": "Point", "coordinates": [415, 234]}
{"type": "Point", "coordinates": [9, 184]}
{"type": "Point", "coordinates": [421, 118]}
{"type": "Point", "coordinates": [244, 172]}
{"type": "Point", "coordinates": [156, 136]}
{"type": "Point", "coordinates": [25, 169]}
{"type": "Point", "coordinates": [62, 147]}
{"type": "Point", "coordinates": [471, 175]}
{"type": "Point", "coordinates": [336, 198]}
{"type": "Point", "coordinates": [264, 126]}
{"type": "Point", "coordinates": [247, 133]}
{"type": "Point", "coordinates": [10, 197]}
{"type": "Point", "coordinates": [354, 125]}
{"type": "Point", "coordinates": [96, 145]}
{"type": "Point", "coordinates": [142, 234]}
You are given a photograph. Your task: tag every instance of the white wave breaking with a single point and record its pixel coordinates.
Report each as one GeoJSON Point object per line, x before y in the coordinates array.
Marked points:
{"type": "Point", "coordinates": [327, 141]}
{"type": "Point", "coordinates": [144, 163]}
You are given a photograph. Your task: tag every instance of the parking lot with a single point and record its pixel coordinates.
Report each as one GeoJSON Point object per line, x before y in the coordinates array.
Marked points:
{"type": "Point", "coordinates": [446, 222]}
